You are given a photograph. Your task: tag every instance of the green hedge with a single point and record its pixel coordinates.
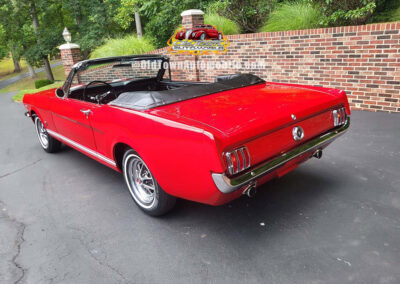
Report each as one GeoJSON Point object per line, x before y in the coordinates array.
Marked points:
{"type": "Point", "coordinates": [42, 83]}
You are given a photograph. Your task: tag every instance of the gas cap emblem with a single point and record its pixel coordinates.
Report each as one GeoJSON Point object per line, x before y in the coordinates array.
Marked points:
{"type": "Point", "coordinates": [298, 133]}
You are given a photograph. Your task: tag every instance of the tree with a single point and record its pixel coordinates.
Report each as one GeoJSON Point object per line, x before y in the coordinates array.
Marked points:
{"type": "Point", "coordinates": [250, 15]}
{"type": "Point", "coordinates": [347, 12]}
{"type": "Point", "coordinates": [35, 24]}
{"type": "Point", "coordinates": [159, 18]}
{"type": "Point", "coordinates": [129, 12]}
{"type": "Point", "coordinates": [91, 22]}
{"type": "Point", "coordinates": [10, 34]}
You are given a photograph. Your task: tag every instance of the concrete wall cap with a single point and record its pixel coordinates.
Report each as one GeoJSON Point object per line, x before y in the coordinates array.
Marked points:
{"type": "Point", "coordinates": [68, 46]}
{"type": "Point", "coordinates": [192, 12]}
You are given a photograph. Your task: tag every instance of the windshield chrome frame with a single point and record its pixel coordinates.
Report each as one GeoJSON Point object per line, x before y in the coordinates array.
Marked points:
{"type": "Point", "coordinates": [83, 65]}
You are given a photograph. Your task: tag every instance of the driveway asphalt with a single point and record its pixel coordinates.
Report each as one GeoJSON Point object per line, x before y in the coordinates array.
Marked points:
{"type": "Point", "coordinates": [65, 218]}
{"type": "Point", "coordinates": [5, 83]}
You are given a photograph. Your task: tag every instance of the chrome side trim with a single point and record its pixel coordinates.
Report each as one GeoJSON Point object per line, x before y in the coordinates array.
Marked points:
{"type": "Point", "coordinates": [81, 147]}
{"type": "Point", "coordinates": [228, 185]}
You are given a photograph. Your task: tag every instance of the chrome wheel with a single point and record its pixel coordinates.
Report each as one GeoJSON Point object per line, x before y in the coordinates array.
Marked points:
{"type": "Point", "coordinates": [203, 36]}
{"type": "Point", "coordinates": [42, 133]}
{"type": "Point", "coordinates": [141, 183]}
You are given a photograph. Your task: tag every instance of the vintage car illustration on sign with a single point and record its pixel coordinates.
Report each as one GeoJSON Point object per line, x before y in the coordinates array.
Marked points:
{"type": "Point", "coordinates": [200, 32]}
{"type": "Point", "coordinates": [205, 142]}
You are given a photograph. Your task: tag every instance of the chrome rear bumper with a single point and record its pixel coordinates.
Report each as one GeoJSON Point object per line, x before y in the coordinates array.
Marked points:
{"type": "Point", "coordinates": [228, 185]}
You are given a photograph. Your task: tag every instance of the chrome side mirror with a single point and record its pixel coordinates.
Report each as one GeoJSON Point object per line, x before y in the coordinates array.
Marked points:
{"type": "Point", "coordinates": [60, 93]}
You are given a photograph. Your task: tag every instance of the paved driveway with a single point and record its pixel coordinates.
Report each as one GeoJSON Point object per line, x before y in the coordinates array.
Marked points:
{"type": "Point", "coordinates": [64, 218]}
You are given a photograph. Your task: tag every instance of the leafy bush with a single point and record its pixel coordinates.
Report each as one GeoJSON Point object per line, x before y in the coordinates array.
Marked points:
{"type": "Point", "coordinates": [249, 15]}
{"type": "Point", "coordinates": [226, 26]}
{"type": "Point", "coordinates": [293, 16]}
{"type": "Point", "coordinates": [42, 83]}
{"type": "Point", "coordinates": [347, 12]}
{"type": "Point", "coordinates": [388, 11]}
{"type": "Point", "coordinates": [123, 46]}
{"type": "Point", "coordinates": [396, 15]}
{"type": "Point", "coordinates": [160, 18]}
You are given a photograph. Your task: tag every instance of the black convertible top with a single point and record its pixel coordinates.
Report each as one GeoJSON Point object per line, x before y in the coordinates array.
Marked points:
{"type": "Point", "coordinates": [142, 100]}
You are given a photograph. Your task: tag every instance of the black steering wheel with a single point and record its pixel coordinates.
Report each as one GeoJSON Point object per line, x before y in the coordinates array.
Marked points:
{"type": "Point", "coordinates": [98, 98]}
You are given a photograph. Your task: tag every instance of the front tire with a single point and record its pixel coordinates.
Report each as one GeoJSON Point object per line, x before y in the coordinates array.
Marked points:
{"type": "Point", "coordinates": [48, 143]}
{"type": "Point", "coordinates": [143, 187]}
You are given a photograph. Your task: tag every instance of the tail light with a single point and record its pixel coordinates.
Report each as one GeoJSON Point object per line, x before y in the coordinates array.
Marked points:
{"type": "Point", "coordinates": [339, 116]}
{"type": "Point", "coordinates": [238, 160]}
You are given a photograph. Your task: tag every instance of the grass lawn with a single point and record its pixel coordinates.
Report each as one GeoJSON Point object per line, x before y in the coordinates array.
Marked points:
{"type": "Point", "coordinates": [29, 84]}
{"type": "Point", "coordinates": [19, 96]}
{"type": "Point", "coordinates": [7, 68]}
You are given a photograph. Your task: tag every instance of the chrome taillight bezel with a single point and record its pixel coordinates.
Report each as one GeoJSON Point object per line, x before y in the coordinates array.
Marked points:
{"type": "Point", "coordinates": [339, 116]}
{"type": "Point", "coordinates": [242, 157]}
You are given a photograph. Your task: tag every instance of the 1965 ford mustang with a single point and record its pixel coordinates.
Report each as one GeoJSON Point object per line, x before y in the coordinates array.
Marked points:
{"type": "Point", "coordinates": [207, 142]}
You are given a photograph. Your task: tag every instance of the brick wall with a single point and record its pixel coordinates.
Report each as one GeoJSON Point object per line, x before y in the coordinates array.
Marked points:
{"type": "Point", "coordinates": [69, 57]}
{"type": "Point", "coordinates": [362, 60]}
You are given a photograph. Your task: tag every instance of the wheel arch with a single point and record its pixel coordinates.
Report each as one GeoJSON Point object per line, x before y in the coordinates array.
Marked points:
{"type": "Point", "coordinates": [119, 150]}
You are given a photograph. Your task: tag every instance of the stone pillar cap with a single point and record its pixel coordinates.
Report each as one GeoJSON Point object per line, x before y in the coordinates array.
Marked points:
{"type": "Point", "coordinates": [68, 46]}
{"type": "Point", "coordinates": [192, 12]}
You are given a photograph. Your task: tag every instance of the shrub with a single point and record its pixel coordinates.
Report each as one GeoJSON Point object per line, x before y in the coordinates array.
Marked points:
{"type": "Point", "coordinates": [293, 16]}
{"type": "Point", "coordinates": [395, 16]}
{"type": "Point", "coordinates": [42, 83]}
{"type": "Point", "coordinates": [123, 46]}
{"type": "Point", "coordinates": [249, 15]}
{"type": "Point", "coordinates": [224, 25]}
{"type": "Point", "coordinates": [389, 11]}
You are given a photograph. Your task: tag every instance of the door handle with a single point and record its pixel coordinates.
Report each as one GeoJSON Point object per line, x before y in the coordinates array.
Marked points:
{"type": "Point", "coordinates": [86, 112]}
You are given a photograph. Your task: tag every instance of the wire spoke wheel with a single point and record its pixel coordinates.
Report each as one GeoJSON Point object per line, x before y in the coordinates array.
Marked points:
{"type": "Point", "coordinates": [141, 183]}
{"type": "Point", "coordinates": [143, 187]}
{"type": "Point", "coordinates": [42, 133]}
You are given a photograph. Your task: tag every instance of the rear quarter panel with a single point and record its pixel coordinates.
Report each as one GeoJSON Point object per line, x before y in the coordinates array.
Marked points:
{"type": "Point", "coordinates": [181, 157]}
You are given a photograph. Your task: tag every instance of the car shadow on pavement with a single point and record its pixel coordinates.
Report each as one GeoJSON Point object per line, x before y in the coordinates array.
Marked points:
{"type": "Point", "coordinates": [279, 205]}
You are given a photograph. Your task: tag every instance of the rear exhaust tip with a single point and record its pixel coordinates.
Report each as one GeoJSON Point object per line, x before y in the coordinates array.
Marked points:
{"type": "Point", "coordinates": [250, 190]}
{"type": "Point", "coordinates": [318, 154]}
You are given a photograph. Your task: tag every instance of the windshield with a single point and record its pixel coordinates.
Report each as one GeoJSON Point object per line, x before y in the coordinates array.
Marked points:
{"type": "Point", "coordinates": [120, 70]}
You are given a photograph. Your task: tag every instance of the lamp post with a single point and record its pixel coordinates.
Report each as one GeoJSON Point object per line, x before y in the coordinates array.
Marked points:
{"type": "Point", "coordinates": [70, 52]}
{"type": "Point", "coordinates": [67, 35]}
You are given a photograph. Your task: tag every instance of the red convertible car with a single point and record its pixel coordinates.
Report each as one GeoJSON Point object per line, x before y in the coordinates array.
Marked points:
{"type": "Point", "coordinates": [201, 32]}
{"type": "Point", "coordinates": [206, 142]}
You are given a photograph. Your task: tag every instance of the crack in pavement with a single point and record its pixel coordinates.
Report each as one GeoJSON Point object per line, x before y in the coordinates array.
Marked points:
{"type": "Point", "coordinates": [102, 263]}
{"type": "Point", "coordinates": [19, 240]}
{"type": "Point", "coordinates": [20, 169]}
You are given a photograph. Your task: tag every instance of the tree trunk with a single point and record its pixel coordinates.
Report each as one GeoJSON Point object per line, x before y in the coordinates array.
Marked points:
{"type": "Point", "coordinates": [139, 31]}
{"type": "Point", "coordinates": [17, 66]}
{"type": "Point", "coordinates": [32, 72]}
{"type": "Point", "coordinates": [35, 24]}
{"type": "Point", "coordinates": [47, 69]}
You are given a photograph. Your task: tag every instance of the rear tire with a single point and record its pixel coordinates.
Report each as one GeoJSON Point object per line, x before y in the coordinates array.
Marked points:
{"type": "Point", "coordinates": [48, 143]}
{"type": "Point", "coordinates": [143, 187]}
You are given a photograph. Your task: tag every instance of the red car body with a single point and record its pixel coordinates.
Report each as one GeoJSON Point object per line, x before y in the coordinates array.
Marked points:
{"type": "Point", "coordinates": [185, 143]}
{"type": "Point", "coordinates": [203, 32]}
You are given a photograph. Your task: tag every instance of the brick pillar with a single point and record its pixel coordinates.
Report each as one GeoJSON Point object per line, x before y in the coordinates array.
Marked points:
{"type": "Point", "coordinates": [70, 54]}
{"type": "Point", "coordinates": [191, 18]}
